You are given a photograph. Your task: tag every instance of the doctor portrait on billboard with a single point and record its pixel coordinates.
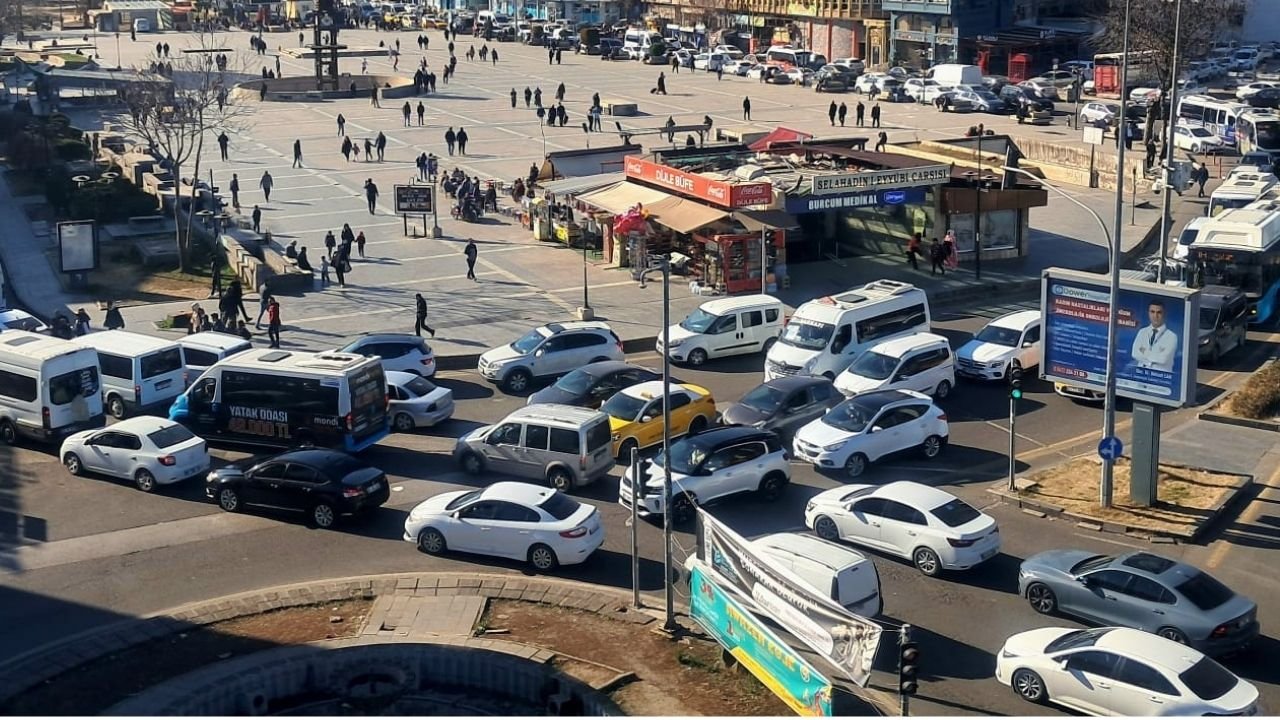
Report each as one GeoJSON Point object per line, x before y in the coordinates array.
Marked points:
{"type": "Point", "coordinates": [1155, 347]}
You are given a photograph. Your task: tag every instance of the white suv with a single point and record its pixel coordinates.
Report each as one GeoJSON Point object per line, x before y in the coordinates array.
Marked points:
{"type": "Point", "coordinates": [871, 426]}
{"type": "Point", "coordinates": [1007, 346]}
{"type": "Point", "coordinates": [549, 351]}
{"type": "Point", "coordinates": [708, 466]}
{"type": "Point", "coordinates": [400, 352]}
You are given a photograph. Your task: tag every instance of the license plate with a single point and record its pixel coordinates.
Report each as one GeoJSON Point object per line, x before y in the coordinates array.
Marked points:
{"type": "Point", "coordinates": [990, 553]}
{"type": "Point", "coordinates": [374, 486]}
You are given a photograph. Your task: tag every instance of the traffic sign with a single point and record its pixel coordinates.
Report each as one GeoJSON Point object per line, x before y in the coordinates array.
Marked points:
{"type": "Point", "coordinates": [1110, 448]}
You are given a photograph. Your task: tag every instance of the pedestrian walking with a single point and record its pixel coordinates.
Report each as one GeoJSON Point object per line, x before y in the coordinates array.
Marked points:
{"type": "Point", "coordinates": [324, 271]}
{"type": "Point", "coordinates": [215, 275]}
{"type": "Point", "coordinates": [859, 114]}
{"type": "Point", "coordinates": [364, 66]}
{"type": "Point", "coordinates": [422, 114]}
{"type": "Point", "coordinates": [949, 250]}
{"type": "Point", "coordinates": [471, 251]}
{"type": "Point", "coordinates": [373, 96]}
{"type": "Point", "coordinates": [560, 90]}
{"type": "Point", "coordinates": [297, 153]}
{"type": "Point", "coordinates": [421, 313]}
{"type": "Point", "coordinates": [559, 55]}
{"type": "Point", "coordinates": [1201, 177]}
{"type": "Point", "coordinates": [273, 322]}
{"type": "Point", "coordinates": [875, 115]}
{"type": "Point", "coordinates": [302, 39]}
{"type": "Point", "coordinates": [493, 55]}
{"type": "Point", "coordinates": [381, 144]}
{"type": "Point", "coordinates": [232, 302]}
{"type": "Point", "coordinates": [831, 113]}
{"type": "Point", "coordinates": [266, 183]}
{"type": "Point", "coordinates": [842, 112]}
{"type": "Point", "coordinates": [346, 148]}
{"type": "Point", "coordinates": [348, 235]}
{"type": "Point", "coordinates": [746, 108]}
{"type": "Point", "coordinates": [257, 219]}
{"type": "Point", "coordinates": [234, 187]}
{"type": "Point", "coordinates": [223, 142]}
{"type": "Point", "coordinates": [407, 111]}
{"type": "Point", "coordinates": [661, 89]}
{"type": "Point", "coordinates": [368, 150]}
{"type": "Point", "coordinates": [371, 194]}
{"type": "Point", "coordinates": [462, 141]}
{"type": "Point", "coordinates": [719, 72]}
{"type": "Point", "coordinates": [528, 96]}
{"type": "Point", "coordinates": [329, 243]}
{"type": "Point", "coordinates": [82, 322]}
{"type": "Point", "coordinates": [537, 97]}
{"type": "Point", "coordinates": [113, 319]}
{"type": "Point", "coordinates": [913, 251]}
{"type": "Point", "coordinates": [342, 125]}
{"type": "Point", "coordinates": [675, 64]}
{"type": "Point", "coordinates": [937, 258]}
{"type": "Point", "coordinates": [881, 141]}
{"type": "Point", "coordinates": [1151, 156]}
{"type": "Point", "coordinates": [264, 301]}
{"type": "Point", "coordinates": [278, 72]}
{"type": "Point", "coordinates": [450, 139]}
{"type": "Point", "coordinates": [360, 241]}
{"type": "Point", "coordinates": [513, 98]}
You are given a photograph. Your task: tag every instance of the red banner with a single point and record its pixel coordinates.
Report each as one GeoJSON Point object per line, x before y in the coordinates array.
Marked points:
{"type": "Point", "coordinates": [718, 192]}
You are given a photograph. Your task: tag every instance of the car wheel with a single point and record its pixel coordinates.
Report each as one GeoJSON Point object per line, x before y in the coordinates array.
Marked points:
{"type": "Point", "coordinates": [472, 463]}
{"type": "Point", "coordinates": [826, 528]}
{"type": "Point", "coordinates": [926, 561]}
{"type": "Point", "coordinates": [1195, 147]}
{"type": "Point", "coordinates": [144, 480]}
{"type": "Point", "coordinates": [768, 345]}
{"type": "Point", "coordinates": [517, 381]}
{"type": "Point", "coordinates": [772, 485]}
{"type": "Point", "coordinates": [932, 446]}
{"type": "Point", "coordinates": [560, 479]}
{"type": "Point", "coordinates": [72, 462]}
{"type": "Point", "coordinates": [698, 424]}
{"type": "Point", "coordinates": [697, 358]}
{"type": "Point", "coordinates": [1174, 634]}
{"type": "Point", "coordinates": [1042, 598]}
{"type": "Point", "coordinates": [943, 390]}
{"type": "Point", "coordinates": [228, 500]}
{"type": "Point", "coordinates": [324, 515]}
{"type": "Point", "coordinates": [8, 433]}
{"type": "Point", "coordinates": [403, 423]}
{"type": "Point", "coordinates": [431, 542]}
{"type": "Point", "coordinates": [1029, 686]}
{"type": "Point", "coordinates": [683, 508]}
{"type": "Point", "coordinates": [624, 450]}
{"type": "Point", "coordinates": [115, 407]}
{"type": "Point", "coordinates": [543, 558]}
{"type": "Point", "coordinates": [856, 465]}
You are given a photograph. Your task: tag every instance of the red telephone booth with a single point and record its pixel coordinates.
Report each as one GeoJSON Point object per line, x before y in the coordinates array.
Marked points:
{"type": "Point", "coordinates": [1019, 67]}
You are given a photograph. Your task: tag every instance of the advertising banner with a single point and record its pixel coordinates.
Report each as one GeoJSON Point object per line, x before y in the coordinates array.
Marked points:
{"type": "Point", "coordinates": [875, 198]}
{"type": "Point", "coordinates": [847, 641]}
{"type": "Point", "coordinates": [718, 192]}
{"type": "Point", "coordinates": [880, 179]}
{"type": "Point", "coordinates": [77, 246]}
{"type": "Point", "coordinates": [775, 664]}
{"type": "Point", "coordinates": [1157, 331]}
{"type": "Point", "coordinates": [414, 199]}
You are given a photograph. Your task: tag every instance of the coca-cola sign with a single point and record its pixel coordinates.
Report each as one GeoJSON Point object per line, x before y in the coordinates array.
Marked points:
{"type": "Point", "coordinates": [717, 192]}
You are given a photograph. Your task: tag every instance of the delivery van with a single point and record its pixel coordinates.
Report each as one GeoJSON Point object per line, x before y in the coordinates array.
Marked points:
{"type": "Point", "coordinates": [724, 327]}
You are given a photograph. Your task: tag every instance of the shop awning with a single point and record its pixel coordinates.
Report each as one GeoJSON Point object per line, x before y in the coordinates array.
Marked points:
{"type": "Point", "coordinates": [779, 135]}
{"type": "Point", "coordinates": [682, 215]}
{"type": "Point", "coordinates": [757, 220]}
{"type": "Point", "coordinates": [622, 197]}
{"type": "Point", "coordinates": [580, 185]}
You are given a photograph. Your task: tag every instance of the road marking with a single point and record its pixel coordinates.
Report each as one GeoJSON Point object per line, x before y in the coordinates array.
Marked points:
{"type": "Point", "coordinates": [1250, 514]}
{"type": "Point", "coordinates": [1109, 540]}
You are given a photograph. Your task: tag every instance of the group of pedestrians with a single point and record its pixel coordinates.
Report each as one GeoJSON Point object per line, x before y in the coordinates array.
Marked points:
{"type": "Point", "coordinates": [943, 254]}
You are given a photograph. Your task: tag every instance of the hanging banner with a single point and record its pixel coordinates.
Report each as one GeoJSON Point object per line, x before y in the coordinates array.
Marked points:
{"type": "Point", "coordinates": [755, 646]}
{"type": "Point", "coordinates": [847, 641]}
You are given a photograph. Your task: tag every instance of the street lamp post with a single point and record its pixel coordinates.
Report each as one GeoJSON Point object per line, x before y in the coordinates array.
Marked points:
{"type": "Point", "coordinates": [1169, 121]}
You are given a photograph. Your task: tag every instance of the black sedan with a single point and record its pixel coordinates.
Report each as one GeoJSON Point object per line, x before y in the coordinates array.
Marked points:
{"type": "Point", "coordinates": [591, 385]}
{"type": "Point", "coordinates": [325, 484]}
{"type": "Point", "coordinates": [784, 404]}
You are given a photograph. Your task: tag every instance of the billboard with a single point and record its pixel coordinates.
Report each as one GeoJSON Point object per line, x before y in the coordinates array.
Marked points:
{"type": "Point", "coordinates": [414, 199]}
{"type": "Point", "coordinates": [77, 246]}
{"type": "Point", "coordinates": [1157, 334]}
{"type": "Point", "coordinates": [845, 640]}
{"type": "Point", "coordinates": [881, 179]}
{"type": "Point", "coordinates": [718, 192]}
{"type": "Point", "coordinates": [753, 645]}
{"type": "Point", "coordinates": [801, 204]}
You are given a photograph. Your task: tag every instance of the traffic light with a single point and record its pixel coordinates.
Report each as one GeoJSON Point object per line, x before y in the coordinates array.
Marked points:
{"type": "Point", "coordinates": [908, 663]}
{"type": "Point", "coordinates": [1015, 383]}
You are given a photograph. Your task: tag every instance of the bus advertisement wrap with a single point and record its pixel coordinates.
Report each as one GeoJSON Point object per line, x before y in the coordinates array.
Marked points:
{"type": "Point", "coordinates": [1156, 334]}
{"type": "Point", "coordinates": [753, 645]}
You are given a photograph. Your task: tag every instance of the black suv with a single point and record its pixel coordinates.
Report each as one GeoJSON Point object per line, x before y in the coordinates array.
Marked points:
{"type": "Point", "coordinates": [1224, 320]}
{"type": "Point", "coordinates": [325, 484]}
{"type": "Point", "coordinates": [1012, 95]}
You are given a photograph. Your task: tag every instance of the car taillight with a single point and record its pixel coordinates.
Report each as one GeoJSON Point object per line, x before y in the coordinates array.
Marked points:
{"type": "Point", "coordinates": [574, 533]}
{"type": "Point", "coordinates": [168, 460]}
{"type": "Point", "coordinates": [428, 361]}
{"type": "Point", "coordinates": [582, 462]}
{"type": "Point", "coordinates": [44, 418]}
{"type": "Point", "coordinates": [1221, 630]}
{"type": "Point", "coordinates": [960, 543]}
{"type": "Point", "coordinates": [137, 392]}
{"type": "Point", "coordinates": [352, 492]}
{"type": "Point", "coordinates": [943, 417]}
{"type": "Point", "coordinates": [351, 422]}
{"type": "Point", "coordinates": [619, 344]}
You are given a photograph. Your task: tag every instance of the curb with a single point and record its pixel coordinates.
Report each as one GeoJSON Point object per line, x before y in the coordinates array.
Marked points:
{"type": "Point", "coordinates": [44, 663]}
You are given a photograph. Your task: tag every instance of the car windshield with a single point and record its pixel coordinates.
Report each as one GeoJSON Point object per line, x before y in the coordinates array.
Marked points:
{"type": "Point", "coordinates": [955, 512]}
{"type": "Point", "coordinates": [1007, 337]}
{"type": "Point", "coordinates": [624, 406]}
{"type": "Point", "coordinates": [1091, 563]}
{"type": "Point", "coordinates": [698, 321]}
{"type": "Point", "coordinates": [528, 343]}
{"type": "Point", "coordinates": [686, 455]}
{"type": "Point", "coordinates": [420, 386]}
{"type": "Point", "coordinates": [1208, 680]}
{"type": "Point", "coordinates": [852, 415]}
{"type": "Point", "coordinates": [461, 500]}
{"type": "Point", "coordinates": [577, 382]}
{"type": "Point", "coordinates": [170, 436]}
{"type": "Point", "coordinates": [1208, 318]}
{"type": "Point", "coordinates": [1076, 639]}
{"type": "Point", "coordinates": [560, 506]}
{"type": "Point", "coordinates": [764, 398]}
{"type": "Point", "coordinates": [874, 366]}
{"type": "Point", "coordinates": [807, 334]}
{"type": "Point", "coordinates": [1205, 592]}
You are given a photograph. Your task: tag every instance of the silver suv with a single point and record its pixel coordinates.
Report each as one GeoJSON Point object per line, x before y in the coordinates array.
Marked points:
{"type": "Point", "coordinates": [549, 351]}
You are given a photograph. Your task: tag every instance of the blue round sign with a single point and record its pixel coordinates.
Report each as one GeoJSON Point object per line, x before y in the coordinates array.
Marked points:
{"type": "Point", "coordinates": [1110, 448]}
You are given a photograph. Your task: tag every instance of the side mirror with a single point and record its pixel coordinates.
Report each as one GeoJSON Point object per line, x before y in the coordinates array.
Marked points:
{"type": "Point", "coordinates": [876, 429]}
{"type": "Point", "coordinates": [1029, 344]}
{"type": "Point", "coordinates": [646, 418]}
{"type": "Point", "coordinates": [1063, 663]}
{"type": "Point", "coordinates": [539, 352]}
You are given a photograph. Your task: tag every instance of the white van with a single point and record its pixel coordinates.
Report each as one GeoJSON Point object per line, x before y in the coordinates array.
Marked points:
{"type": "Point", "coordinates": [140, 373]}
{"type": "Point", "coordinates": [641, 38]}
{"type": "Point", "coordinates": [922, 362]}
{"type": "Point", "coordinates": [560, 445]}
{"type": "Point", "coordinates": [826, 335]}
{"type": "Point", "coordinates": [847, 576]}
{"type": "Point", "coordinates": [201, 350]}
{"type": "Point", "coordinates": [729, 326]}
{"type": "Point", "coordinates": [49, 388]}
{"type": "Point", "coordinates": [955, 74]}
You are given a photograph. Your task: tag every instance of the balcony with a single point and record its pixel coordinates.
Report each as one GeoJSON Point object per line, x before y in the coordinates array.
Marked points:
{"type": "Point", "coordinates": [935, 7]}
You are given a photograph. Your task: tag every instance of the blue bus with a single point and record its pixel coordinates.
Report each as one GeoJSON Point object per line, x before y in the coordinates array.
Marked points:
{"type": "Point", "coordinates": [1241, 248]}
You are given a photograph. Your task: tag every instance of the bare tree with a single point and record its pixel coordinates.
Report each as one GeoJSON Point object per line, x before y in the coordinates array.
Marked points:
{"type": "Point", "coordinates": [175, 117]}
{"type": "Point", "coordinates": [1151, 28]}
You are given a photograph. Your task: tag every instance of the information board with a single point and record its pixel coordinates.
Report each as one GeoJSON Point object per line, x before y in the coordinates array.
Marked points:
{"type": "Point", "coordinates": [414, 199]}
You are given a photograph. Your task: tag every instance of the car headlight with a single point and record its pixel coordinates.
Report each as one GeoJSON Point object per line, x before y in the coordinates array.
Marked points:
{"type": "Point", "coordinates": [675, 343]}
{"type": "Point", "coordinates": [1004, 653]}
{"type": "Point", "coordinates": [835, 446]}
{"type": "Point", "coordinates": [1205, 340]}
{"type": "Point", "coordinates": [996, 365]}
{"type": "Point", "coordinates": [809, 506]}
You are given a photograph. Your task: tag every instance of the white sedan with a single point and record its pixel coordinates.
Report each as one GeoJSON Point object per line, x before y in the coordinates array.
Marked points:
{"type": "Point", "coordinates": [740, 67]}
{"type": "Point", "coordinates": [1248, 90]}
{"type": "Point", "coordinates": [150, 451]}
{"type": "Point", "coordinates": [1120, 671]}
{"type": "Point", "coordinates": [866, 81]}
{"type": "Point", "coordinates": [415, 402]}
{"type": "Point", "coordinates": [932, 528]}
{"type": "Point", "coordinates": [1196, 140]}
{"type": "Point", "coordinates": [537, 524]}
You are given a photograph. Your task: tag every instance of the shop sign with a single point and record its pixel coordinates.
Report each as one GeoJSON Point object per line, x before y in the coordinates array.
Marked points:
{"type": "Point", "coordinates": [878, 179]}
{"type": "Point", "coordinates": [718, 192]}
{"type": "Point", "coordinates": [850, 201]}
{"type": "Point", "coordinates": [911, 35]}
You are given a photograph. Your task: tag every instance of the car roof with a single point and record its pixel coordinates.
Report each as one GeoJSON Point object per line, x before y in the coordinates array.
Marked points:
{"type": "Point", "coordinates": [1153, 649]}
{"type": "Point", "coordinates": [906, 343]}
{"type": "Point", "coordinates": [141, 424]}
{"type": "Point", "coordinates": [554, 414]}
{"type": "Point", "coordinates": [787, 383]}
{"type": "Point", "coordinates": [518, 492]}
{"type": "Point", "coordinates": [730, 434]}
{"type": "Point", "coordinates": [604, 367]}
{"type": "Point", "coordinates": [386, 338]}
{"type": "Point", "coordinates": [399, 377]}
{"type": "Point", "coordinates": [651, 389]}
{"type": "Point", "coordinates": [914, 493]}
{"type": "Point", "coordinates": [881, 398]}
{"type": "Point", "coordinates": [1150, 565]}
{"type": "Point", "coordinates": [316, 457]}
{"type": "Point", "coordinates": [560, 327]}
{"type": "Point", "coordinates": [1017, 320]}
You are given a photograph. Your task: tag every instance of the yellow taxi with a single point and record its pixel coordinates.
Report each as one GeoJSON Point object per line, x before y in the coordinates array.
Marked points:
{"type": "Point", "coordinates": [635, 414]}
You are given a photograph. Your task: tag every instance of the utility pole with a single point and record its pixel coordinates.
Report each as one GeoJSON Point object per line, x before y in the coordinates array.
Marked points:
{"type": "Point", "coordinates": [1015, 394]}
{"type": "Point", "coordinates": [977, 218]}
{"type": "Point", "coordinates": [764, 261]}
{"type": "Point", "coordinates": [637, 487]}
{"type": "Point", "coordinates": [667, 583]}
{"type": "Point", "coordinates": [1166, 219]}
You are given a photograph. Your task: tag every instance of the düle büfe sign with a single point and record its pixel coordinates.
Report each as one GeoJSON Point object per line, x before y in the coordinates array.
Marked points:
{"type": "Point", "coordinates": [413, 199]}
